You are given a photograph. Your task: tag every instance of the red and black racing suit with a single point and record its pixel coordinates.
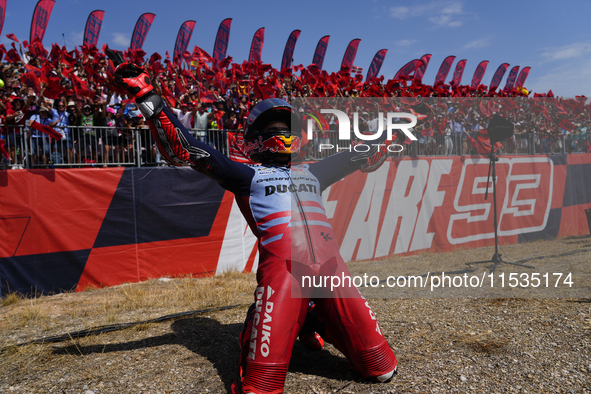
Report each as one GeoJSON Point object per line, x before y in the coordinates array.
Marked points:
{"type": "Point", "coordinates": [289, 241]}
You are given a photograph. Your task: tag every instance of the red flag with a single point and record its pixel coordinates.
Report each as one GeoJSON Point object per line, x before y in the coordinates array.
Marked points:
{"type": "Point", "coordinates": [444, 69]}
{"type": "Point", "coordinates": [201, 56]}
{"type": "Point", "coordinates": [221, 40]}
{"type": "Point", "coordinates": [478, 74]}
{"type": "Point", "coordinates": [376, 64]}
{"type": "Point", "coordinates": [256, 47]}
{"type": "Point", "coordinates": [511, 78]}
{"type": "Point", "coordinates": [408, 69]}
{"type": "Point", "coordinates": [350, 53]}
{"type": "Point", "coordinates": [422, 68]}
{"type": "Point", "coordinates": [498, 76]}
{"type": "Point", "coordinates": [12, 56]}
{"type": "Point", "coordinates": [40, 19]}
{"type": "Point", "coordinates": [93, 27]}
{"type": "Point", "coordinates": [81, 87]}
{"type": "Point", "coordinates": [484, 146]}
{"type": "Point", "coordinates": [2, 13]}
{"type": "Point", "coordinates": [320, 52]}
{"type": "Point", "coordinates": [182, 39]}
{"type": "Point", "coordinates": [588, 146]}
{"type": "Point", "coordinates": [459, 71]}
{"type": "Point", "coordinates": [46, 129]}
{"type": "Point", "coordinates": [289, 47]}
{"type": "Point", "coordinates": [36, 48]}
{"type": "Point", "coordinates": [166, 93]}
{"type": "Point", "coordinates": [179, 86]}
{"type": "Point", "coordinates": [30, 79]}
{"type": "Point", "coordinates": [12, 37]}
{"type": "Point", "coordinates": [142, 27]}
{"type": "Point", "coordinates": [522, 77]}
{"type": "Point", "coordinates": [566, 125]}
{"type": "Point", "coordinates": [3, 151]}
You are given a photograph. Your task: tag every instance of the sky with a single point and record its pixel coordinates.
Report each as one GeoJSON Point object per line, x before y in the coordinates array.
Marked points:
{"type": "Point", "coordinates": [551, 37]}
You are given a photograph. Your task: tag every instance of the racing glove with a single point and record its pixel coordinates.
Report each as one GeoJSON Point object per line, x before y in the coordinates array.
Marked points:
{"type": "Point", "coordinates": [136, 82]}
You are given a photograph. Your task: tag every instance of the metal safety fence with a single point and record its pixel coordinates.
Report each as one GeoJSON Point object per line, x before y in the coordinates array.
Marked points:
{"type": "Point", "coordinates": [96, 146]}
{"type": "Point", "coordinates": [101, 146]}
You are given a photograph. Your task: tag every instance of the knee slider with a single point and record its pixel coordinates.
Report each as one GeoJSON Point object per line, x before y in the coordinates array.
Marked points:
{"type": "Point", "coordinates": [150, 105]}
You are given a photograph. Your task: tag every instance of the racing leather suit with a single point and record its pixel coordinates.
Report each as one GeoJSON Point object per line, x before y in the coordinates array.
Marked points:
{"type": "Point", "coordinates": [289, 240]}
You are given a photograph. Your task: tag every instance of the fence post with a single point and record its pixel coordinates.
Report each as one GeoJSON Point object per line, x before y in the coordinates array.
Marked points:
{"type": "Point", "coordinates": [138, 147]}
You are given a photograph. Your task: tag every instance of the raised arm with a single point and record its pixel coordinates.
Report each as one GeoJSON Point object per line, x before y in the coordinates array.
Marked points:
{"type": "Point", "coordinates": [175, 143]}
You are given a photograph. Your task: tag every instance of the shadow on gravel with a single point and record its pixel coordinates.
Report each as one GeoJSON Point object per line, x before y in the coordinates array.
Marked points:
{"type": "Point", "coordinates": [218, 343]}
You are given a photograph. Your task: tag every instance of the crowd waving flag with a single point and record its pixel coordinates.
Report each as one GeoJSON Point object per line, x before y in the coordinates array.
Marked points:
{"type": "Point", "coordinates": [320, 52]}
{"type": "Point", "coordinates": [511, 78]}
{"type": "Point", "coordinates": [522, 77]}
{"type": "Point", "coordinates": [93, 27]}
{"type": "Point", "coordinates": [496, 79]}
{"type": "Point", "coordinates": [142, 27]}
{"type": "Point", "coordinates": [459, 72]}
{"type": "Point", "coordinates": [2, 13]}
{"type": "Point", "coordinates": [222, 38]}
{"type": "Point", "coordinates": [422, 68]}
{"type": "Point", "coordinates": [478, 74]}
{"type": "Point", "coordinates": [256, 47]}
{"type": "Point", "coordinates": [444, 69]}
{"type": "Point", "coordinates": [350, 53]}
{"type": "Point", "coordinates": [376, 64]}
{"type": "Point", "coordinates": [289, 48]}
{"type": "Point", "coordinates": [182, 40]}
{"type": "Point", "coordinates": [40, 19]}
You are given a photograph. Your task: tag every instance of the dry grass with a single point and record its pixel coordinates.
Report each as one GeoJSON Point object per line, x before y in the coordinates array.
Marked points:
{"type": "Point", "coordinates": [435, 340]}
{"type": "Point", "coordinates": [11, 298]}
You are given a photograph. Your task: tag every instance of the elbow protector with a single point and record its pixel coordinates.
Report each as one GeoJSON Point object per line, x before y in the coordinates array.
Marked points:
{"type": "Point", "coordinates": [150, 105]}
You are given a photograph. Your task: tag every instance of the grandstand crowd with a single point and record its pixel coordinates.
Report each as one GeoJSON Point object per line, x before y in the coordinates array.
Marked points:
{"type": "Point", "coordinates": [95, 123]}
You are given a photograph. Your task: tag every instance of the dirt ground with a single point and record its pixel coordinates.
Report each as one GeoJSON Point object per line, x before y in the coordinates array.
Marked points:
{"type": "Point", "coordinates": [460, 339]}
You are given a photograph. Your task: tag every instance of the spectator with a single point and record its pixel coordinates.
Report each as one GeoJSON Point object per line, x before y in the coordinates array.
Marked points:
{"type": "Point", "coordinates": [184, 115]}
{"type": "Point", "coordinates": [16, 117]}
{"type": "Point", "coordinates": [62, 118]}
{"type": "Point", "coordinates": [202, 119]}
{"type": "Point", "coordinates": [40, 144]}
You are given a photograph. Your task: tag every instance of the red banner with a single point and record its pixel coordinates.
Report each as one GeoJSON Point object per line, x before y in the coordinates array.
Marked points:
{"type": "Point", "coordinates": [376, 64]}
{"type": "Point", "coordinates": [350, 53]}
{"type": "Point", "coordinates": [522, 77]}
{"type": "Point", "coordinates": [289, 47]}
{"type": "Point", "coordinates": [182, 40]}
{"type": "Point", "coordinates": [408, 69]}
{"type": "Point", "coordinates": [256, 47]}
{"type": "Point", "coordinates": [142, 27]}
{"type": "Point", "coordinates": [459, 71]}
{"type": "Point", "coordinates": [40, 19]}
{"type": "Point", "coordinates": [478, 74]}
{"type": "Point", "coordinates": [444, 69]}
{"type": "Point", "coordinates": [2, 13]}
{"type": "Point", "coordinates": [220, 45]}
{"type": "Point", "coordinates": [511, 78]}
{"type": "Point", "coordinates": [420, 204]}
{"type": "Point", "coordinates": [93, 28]}
{"type": "Point", "coordinates": [496, 79]}
{"type": "Point", "coordinates": [421, 70]}
{"type": "Point", "coordinates": [320, 52]}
